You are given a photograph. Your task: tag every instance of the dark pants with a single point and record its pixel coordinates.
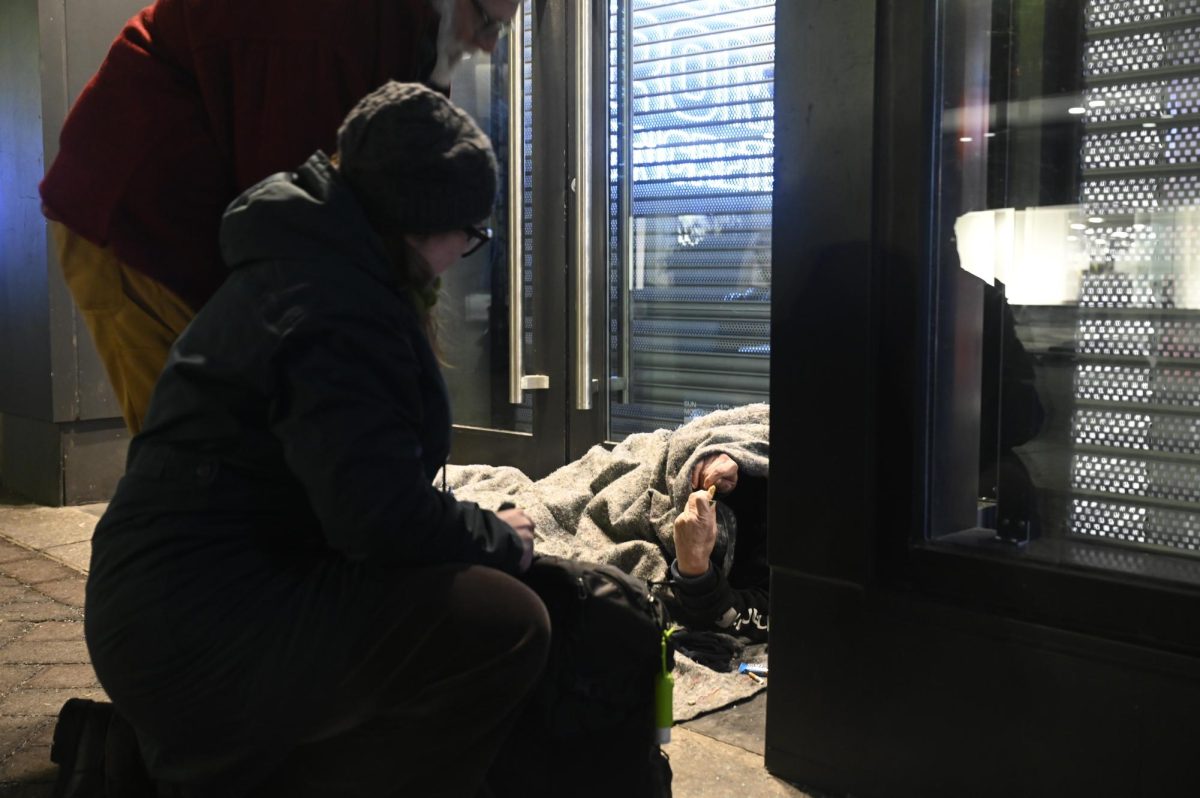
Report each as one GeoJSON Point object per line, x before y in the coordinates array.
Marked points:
{"type": "Point", "coordinates": [439, 662]}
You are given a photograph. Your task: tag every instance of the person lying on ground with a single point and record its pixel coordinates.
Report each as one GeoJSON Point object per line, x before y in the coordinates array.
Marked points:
{"type": "Point", "coordinates": [704, 594]}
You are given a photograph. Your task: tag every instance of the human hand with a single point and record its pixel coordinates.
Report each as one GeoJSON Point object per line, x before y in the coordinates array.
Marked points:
{"type": "Point", "coordinates": [522, 524]}
{"type": "Point", "coordinates": [695, 534]}
{"type": "Point", "coordinates": [715, 469]}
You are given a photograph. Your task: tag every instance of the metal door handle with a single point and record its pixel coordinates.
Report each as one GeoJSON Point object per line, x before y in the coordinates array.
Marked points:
{"type": "Point", "coordinates": [581, 183]}
{"type": "Point", "coordinates": [518, 381]}
{"type": "Point", "coordinates": [623, 385]}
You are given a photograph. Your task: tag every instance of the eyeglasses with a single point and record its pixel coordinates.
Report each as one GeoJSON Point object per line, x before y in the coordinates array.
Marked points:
{"type": "Point", "coordinates": [489, 26]}
{"type": "Point", "coordinates": [478, 235]}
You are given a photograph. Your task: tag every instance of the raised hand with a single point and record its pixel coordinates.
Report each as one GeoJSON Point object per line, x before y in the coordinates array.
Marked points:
{"type": "Point", "coordinates": [695, 534]}
{"type": "Point", "coordinates": [715, 469]}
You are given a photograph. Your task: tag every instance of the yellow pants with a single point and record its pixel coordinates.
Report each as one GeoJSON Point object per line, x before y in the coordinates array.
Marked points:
{"type": "Point", "coordinates": [133, 318]}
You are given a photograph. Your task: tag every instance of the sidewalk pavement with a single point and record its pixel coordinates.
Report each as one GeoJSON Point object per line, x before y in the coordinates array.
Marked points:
{"type": "Point", "coordinates": [44, 553]}
{"type": "Point", "coordinates": [43, 659]}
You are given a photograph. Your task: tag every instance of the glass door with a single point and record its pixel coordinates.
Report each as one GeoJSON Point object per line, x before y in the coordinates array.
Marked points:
{"type": "Point", "coordinates": [501, 341]}
{"type": "Point", "coordinates": [628, 284]}
{"type": "Point", "coordinates": [691, 132]}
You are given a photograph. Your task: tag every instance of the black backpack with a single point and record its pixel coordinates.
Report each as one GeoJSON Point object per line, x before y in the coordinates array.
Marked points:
{"type": "Point", "coordinates": [588, 728]}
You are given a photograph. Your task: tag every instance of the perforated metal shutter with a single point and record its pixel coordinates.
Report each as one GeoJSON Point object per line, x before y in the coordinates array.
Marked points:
{"type": "Point", "coordinates": [701, 126]}
{"type": "Point", "coordinates": [1135, 474]}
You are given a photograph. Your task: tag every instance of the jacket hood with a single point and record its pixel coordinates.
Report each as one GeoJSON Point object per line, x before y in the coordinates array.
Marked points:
{"type": "Point", "coordinates": [306, 215]}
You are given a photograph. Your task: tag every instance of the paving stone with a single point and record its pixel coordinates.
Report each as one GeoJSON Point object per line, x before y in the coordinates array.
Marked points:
{"type": "Point", "coordinates": [93, 509]}
{"type": "Point", "coordinates": [15, 675]}
{"type": "Point", "coordinates": [16, 733]}
{"type": "Point", "coordinates": [44, 733]}
{"type": "Point", "coordinates": [68, 591]}
{"type": "Point", "coordinates": [20, 732]}
{"type": "Point", "coordinates": [705, 768]}
{"type": "Point", "coordinates": [10, 552]}
{"type": "Point", "coordinates": [17, 593]}
{"type": "Point", "coordinates": [61, 676]}
{"type": "Point", "coordinates": [40, 611]}
{"type": "Point", "coordinates": [42, 527]}
{"type": "Point", "coordinates": [43, 657]}
{"type": "Point", "coordinates": [54, 630]}
{"type": "Point", "coordinates": [30, 765]}
{"type": "Point", "coordinates": [36, 569]}
{"type": "Point", "coordinates": [43, 703]}
{"type": "Point", "coordinates": [45, 652]}
{"type": "Point", "coordinates": [76, 556]}
{"type": "Point", "coordinates": [11, 630]}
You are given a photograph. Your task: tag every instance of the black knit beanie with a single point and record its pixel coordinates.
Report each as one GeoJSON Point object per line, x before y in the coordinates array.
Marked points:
{"type": "Point", "coordinates": [416, 162]}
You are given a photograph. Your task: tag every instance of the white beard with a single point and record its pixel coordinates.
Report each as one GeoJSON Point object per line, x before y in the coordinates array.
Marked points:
{"type": "Point", "coordinates": [450, 51]}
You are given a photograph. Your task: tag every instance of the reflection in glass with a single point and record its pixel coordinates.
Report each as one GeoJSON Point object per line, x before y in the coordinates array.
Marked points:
{"type": "Point", "coordinates": [691, 149]}
{"type": "Point", "coordinates": [1071, 207]}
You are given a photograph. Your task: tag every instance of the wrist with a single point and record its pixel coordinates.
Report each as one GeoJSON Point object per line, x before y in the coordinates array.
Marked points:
{"type": "Point", "coordinates": [689, 588]}
{"type": "Point", "coordinates": [691, 567]}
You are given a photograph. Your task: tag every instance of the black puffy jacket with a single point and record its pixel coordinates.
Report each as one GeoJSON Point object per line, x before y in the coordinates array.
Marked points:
{"type": "Point", "coordinates": [302, 410]}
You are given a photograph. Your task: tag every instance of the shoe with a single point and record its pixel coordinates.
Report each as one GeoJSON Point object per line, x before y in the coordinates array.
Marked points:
{"type": "Point", "coordinates": [78, 749]}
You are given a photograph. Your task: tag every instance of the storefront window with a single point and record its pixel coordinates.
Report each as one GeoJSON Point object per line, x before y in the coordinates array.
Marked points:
{"type": "Point", "coordinates": [1065, 379]}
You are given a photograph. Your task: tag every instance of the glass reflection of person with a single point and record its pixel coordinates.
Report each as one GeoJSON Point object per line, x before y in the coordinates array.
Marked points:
{"type": "Point", "coordinates": [1011, 413]}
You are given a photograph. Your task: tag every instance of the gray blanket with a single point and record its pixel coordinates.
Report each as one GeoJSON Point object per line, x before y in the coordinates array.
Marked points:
{"type": "Point", "coordinates": [619, 506]}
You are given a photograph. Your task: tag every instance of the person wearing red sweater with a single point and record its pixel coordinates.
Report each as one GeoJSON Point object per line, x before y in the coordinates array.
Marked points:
{"type": "Point", "coordinates": [196, 101]}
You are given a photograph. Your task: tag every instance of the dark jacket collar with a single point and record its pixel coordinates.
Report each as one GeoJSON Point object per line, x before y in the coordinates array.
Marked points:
{"type": "Point", "coordinates": [307, 215]}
